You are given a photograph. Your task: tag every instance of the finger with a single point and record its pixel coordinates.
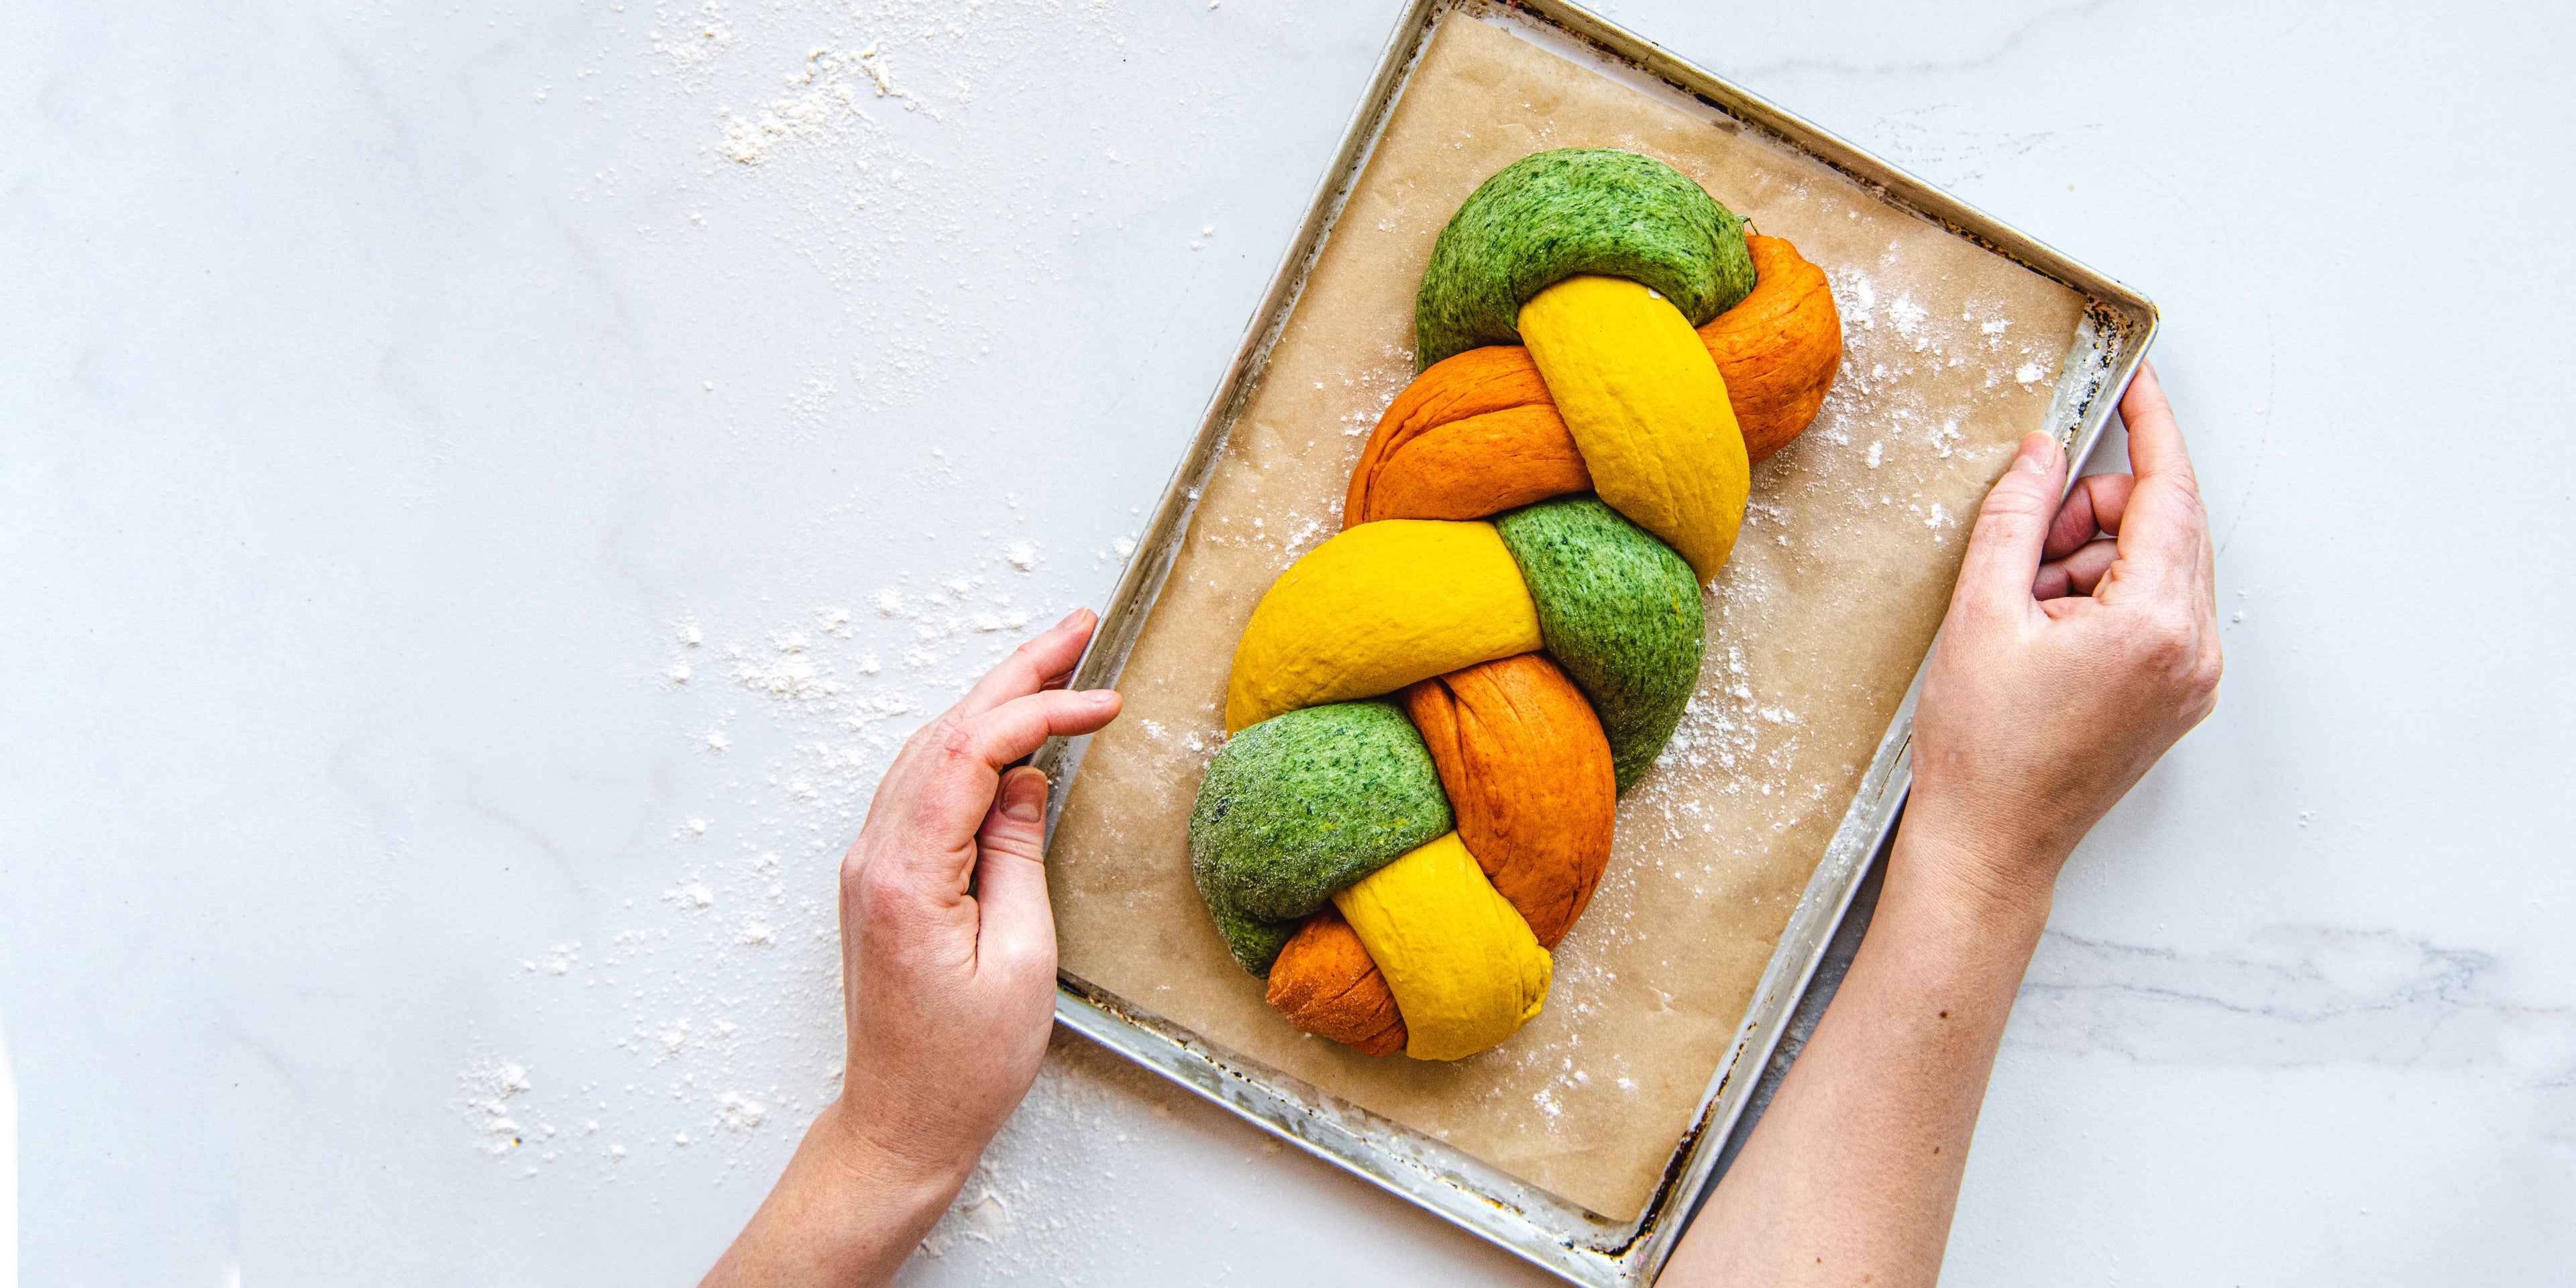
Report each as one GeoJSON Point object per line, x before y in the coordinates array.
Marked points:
{"type": "Point", "coordinates": [1032, 666]}
{"type": "Point", "coordinates": [1026, 671]}
{"type": "Point", "coordinates": [2164, 533]}
{"type": "Point", "coordinates": [2092, 508]}
{"type": "Point", "coordinates": [2155, 442]}
{"type": "Point", "coordinates": [2012, 525]}
{"type": "Point", "coordinates": [945, 800]}
{"type": "Point", "coordinates": [2077, 573]}
{"type": "Point", "coordinates": [1018, 932]}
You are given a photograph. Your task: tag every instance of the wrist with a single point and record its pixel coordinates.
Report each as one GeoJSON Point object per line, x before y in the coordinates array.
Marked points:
{"type": "Point", "coordinates": [867, 1203]}
{"type": "Point", "coordinates": [847, 1211]}
{"type": "Point", "coordinates": [1987, 883]}
{"type": "Point", "coordinates": [862, 1160]}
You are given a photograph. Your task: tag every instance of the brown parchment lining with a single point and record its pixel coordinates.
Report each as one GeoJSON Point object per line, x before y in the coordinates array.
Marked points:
{"type": "Point", "coordinates": [1815, 628]}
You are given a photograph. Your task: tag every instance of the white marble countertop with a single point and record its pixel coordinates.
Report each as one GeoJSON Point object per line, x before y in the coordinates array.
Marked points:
{"type": "Point", "coordinates": [397, 400]}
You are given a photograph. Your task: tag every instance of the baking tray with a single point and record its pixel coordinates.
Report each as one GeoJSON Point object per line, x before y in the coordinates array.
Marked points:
{"type": "Point", "coordinates": [2110, 339]}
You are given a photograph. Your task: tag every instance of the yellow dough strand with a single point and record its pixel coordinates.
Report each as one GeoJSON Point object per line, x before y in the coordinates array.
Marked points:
{"type": "Point", "coordinates": [1464, 967]}
{"type": "Point", "coordinates": [1375, 609]}
{"type": "Point", "coordinates": [1646, 406]}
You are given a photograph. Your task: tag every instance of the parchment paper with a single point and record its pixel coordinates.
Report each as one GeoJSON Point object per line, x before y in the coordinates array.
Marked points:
{"type": "Point", "coordinates": [1815, 629]}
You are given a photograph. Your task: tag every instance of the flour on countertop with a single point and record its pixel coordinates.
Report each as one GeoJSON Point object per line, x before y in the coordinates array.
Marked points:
{"type": "Point", "coordinates": [490, 1086]}
{"type": "Point", "coordinates": [825, 97]}
{"type": "Point", "coordinates": [726, 988]}
{"type": "Point", "coordinates": [728, 992]}
{"type": "Point", "coordinates": [690, 37]}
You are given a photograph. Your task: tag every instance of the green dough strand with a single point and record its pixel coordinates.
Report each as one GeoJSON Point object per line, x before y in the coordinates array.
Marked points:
{"type": "Point", "coordinates": [1300, 806]}
{"type": "Point", "coordinates": [1553, 215]}
{"type": "Point", "coordinates": [1620, 612]}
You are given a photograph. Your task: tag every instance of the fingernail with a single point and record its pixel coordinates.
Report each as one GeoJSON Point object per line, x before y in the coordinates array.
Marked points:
{"type": "Point", "coordinates": [1024, 796]}
{"type": "Point", "coordinates": [1100, 697]}
{"type": "Point", "coordinates": [2038, 454]}
{"type": "Point", "coordinates": [1070, 619]}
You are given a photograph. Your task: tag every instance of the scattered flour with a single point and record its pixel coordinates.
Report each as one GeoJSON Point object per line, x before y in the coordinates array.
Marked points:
{"type": "Point", "coordinates": [737, 1112]}
{"type": "Point", "coordinates": [824, 99]}
{"type": "Point", "coordinates": [730, 989]}
{"type": "Point", "coordinates": [490, 1086]}
{"type": "Point", "coordinates": [691, 37]}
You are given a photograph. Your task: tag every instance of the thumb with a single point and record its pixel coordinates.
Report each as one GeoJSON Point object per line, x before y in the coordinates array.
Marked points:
{"type": "Point", "coordinates": [2012, 527]}
{"type": "Point", "coordinates": [1010, 878]}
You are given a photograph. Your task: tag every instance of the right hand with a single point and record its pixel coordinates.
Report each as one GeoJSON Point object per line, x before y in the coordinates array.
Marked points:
{"type": "Point", "coordinates": [2066, 666]}
{"type": "Point", "coordinates": [2081, 643]}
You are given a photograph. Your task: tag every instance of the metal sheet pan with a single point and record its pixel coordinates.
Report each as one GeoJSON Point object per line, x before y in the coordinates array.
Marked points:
{"type": "Point", "coordinates": [1582, 1246]}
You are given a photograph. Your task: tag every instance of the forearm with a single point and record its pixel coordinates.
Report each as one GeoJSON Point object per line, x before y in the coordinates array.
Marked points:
{"type": "Point", "coordinates": [1854, 1170]}
{"type": "Point", "coordinates": [844, 1213]}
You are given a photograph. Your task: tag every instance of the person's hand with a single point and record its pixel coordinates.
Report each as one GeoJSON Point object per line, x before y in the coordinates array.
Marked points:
{"type": "Point", "coordinates": [2081, 643]}
{"type": "Point", "coordinates": [2066, 666]}
{"type": "Point", "coordinates": [947, 943]}
{"type": "Point", "coordinates": [948, 971]}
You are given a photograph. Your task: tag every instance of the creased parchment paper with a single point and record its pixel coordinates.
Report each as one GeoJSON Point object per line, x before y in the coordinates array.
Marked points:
{"type": "Point", "coordinates": [1849, 549]}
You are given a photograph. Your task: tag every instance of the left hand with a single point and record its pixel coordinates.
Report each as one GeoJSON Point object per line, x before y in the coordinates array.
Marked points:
{"type": "Point", "coordinates": [947, 942]}
{"type": "Point", "coordinates": [948, 971]}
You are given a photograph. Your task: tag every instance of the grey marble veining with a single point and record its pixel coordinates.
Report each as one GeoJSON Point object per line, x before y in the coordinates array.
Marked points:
{"type": "Point", "coordinates": [2292, 997]}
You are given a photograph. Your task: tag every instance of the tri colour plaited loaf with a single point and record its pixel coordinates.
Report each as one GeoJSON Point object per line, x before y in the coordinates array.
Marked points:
{"type": "Point", "coordinates": [1432, 715]}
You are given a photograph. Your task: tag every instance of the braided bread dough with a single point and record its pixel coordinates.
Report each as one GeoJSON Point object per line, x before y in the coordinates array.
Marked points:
{"type": "Point", "coordinates": [1541, 658]}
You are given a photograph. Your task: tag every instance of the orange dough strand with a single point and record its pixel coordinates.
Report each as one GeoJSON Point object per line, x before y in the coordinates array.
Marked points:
{"type": "Point", "coordinates": [1476, 384]}
{"type": "Point", "coordinates": [1326, 984]}
{"type": "Point", "coordinates": [1779, 349]}
{"type": "Point", "coordinates": [1527, 769]}
{"type": "Point", "coordinates": [1482, 465]}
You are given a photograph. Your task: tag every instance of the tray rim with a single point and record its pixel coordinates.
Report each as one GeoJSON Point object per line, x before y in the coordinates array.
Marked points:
{"type": "Point", "coordinates": [1553, 1233]}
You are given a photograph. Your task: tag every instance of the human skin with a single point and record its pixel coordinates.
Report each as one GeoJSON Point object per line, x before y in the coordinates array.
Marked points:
{"type": "Point", "coordinates": [2082, 641]}
{"type": "Point", "coordinates": [2080, 644]}
{"type": "Point", "coordinates": [948, 968]}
